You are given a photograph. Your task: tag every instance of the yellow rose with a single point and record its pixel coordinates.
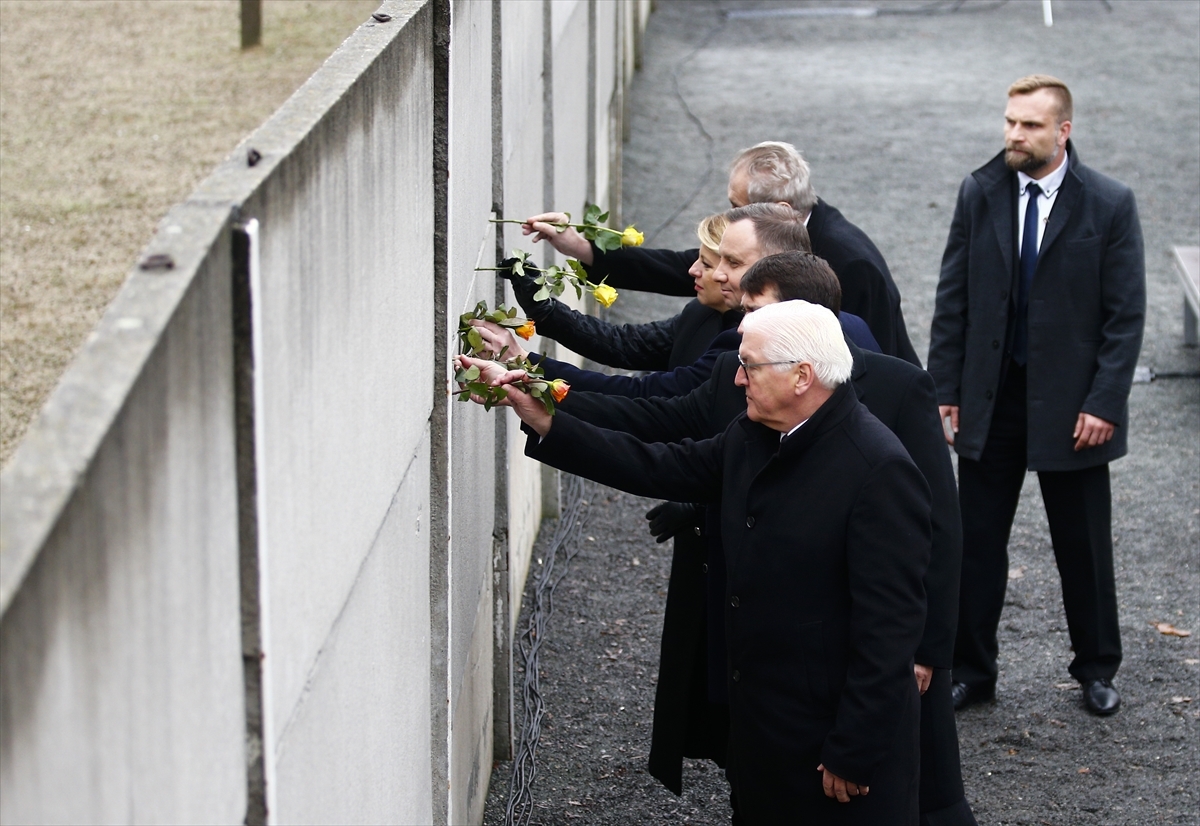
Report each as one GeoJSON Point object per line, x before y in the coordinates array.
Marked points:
{"type": "Point", "coordinates": [559, 390]}
{"type": "Point", "coordinates": [605, 294]}
{"type": "Point", "coordinates": [526, 330]}
{"type": "Point", "coordinates": [631, 238]}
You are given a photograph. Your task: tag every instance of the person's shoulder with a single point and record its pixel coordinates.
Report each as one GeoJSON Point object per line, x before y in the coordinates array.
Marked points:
{"type": "Point", "coordinates": [873, 440]}
{"type": "Point", "coordinates": [1097, 184]}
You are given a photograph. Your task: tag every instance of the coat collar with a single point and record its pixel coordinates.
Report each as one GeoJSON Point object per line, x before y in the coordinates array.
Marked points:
{"type": "Point", "coordinates": [999, 185]}
{"type": "Point", "coordinates": [827, 417]}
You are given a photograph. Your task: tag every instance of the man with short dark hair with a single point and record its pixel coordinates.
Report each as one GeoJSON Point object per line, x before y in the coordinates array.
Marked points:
{"type": "Point", "coordinates": [1036, 332]}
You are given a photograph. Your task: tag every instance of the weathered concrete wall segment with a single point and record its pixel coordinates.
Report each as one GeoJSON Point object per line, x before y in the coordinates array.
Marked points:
{"type": "Point", "coordinates": [255, 566]}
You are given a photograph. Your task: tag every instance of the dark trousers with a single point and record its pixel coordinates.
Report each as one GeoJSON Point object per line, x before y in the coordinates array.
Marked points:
{"type": "Point", "coordinates": [1079, 511]}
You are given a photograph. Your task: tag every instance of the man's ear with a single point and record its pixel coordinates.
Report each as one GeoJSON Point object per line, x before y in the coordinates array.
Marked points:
{"type": "Point", "coordinates": [805, 378]}
{"type": "Point", "coordinates": [1064, 132]}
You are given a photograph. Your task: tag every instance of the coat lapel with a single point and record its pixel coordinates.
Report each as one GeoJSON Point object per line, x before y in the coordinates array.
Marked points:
{"type": "Point", "coordinates": [1068, 195]}
{"type": "Point", "coordinates": [997, 184]}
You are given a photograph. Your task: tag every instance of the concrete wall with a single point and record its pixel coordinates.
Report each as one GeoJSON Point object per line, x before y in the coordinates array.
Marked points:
{"type": "Point", "coordinates": [254, 564]}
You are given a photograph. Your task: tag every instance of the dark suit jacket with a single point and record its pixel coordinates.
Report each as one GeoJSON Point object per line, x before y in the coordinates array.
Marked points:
{"type": "Point", "coordinates": [825, 606]}
{"type": "Point", "coordinates": [868, 290]}
{"type": "Point", "coordinates": [1087, 308]}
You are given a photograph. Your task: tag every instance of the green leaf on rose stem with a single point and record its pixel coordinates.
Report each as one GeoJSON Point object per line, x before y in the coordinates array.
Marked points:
{"type": "Point", "coordinates": [577, 269]}
{"type": "Point", "coordinates": [503, 350]}
{"type": "Point", "coordinates": [471, 374]}
{"type": "Point", "coordinates": [464, 396]}
{"type": "Point", "coordinates": [464, 320]}
{"type": "Point", "coordinates": [542, 294]}
{"type": "Point", "coordinates": [496, 317]}
{"type": "Point", "coordinates": [578, 289]}
{"type": "Point", "coordinates": [512, 312]}
{"type": "Point", "coordinates": [568, 216]}
{"type": "Point", "coordinates": [592, 214]}
{"type": "Point", "coordinates": [535, 391]}
{"type": "Point", "coordinates": [602, 218]}
{"type": "Point", "coordinates": [558, 287]}
{"type": "Point", "coordinates": [500, 393]}
{"type": "Point", "coordinates": [474, 339]}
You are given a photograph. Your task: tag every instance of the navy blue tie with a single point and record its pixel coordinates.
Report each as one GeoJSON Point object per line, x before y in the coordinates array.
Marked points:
{"type": "Point", "coordinates": [1029, 257]}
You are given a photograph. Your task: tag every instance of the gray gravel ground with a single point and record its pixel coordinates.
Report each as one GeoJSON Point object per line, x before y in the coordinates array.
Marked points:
{"type": "Point", "coordinates": [892, 112]}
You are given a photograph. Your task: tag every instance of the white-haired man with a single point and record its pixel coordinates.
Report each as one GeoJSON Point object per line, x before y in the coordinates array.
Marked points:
{"type": "Point", "coordinates": [768, 172]}
{"type": "Point", "coordinates": [825, 522]}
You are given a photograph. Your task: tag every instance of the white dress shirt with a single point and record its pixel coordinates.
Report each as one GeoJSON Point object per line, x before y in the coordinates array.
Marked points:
{"type": "Point", "coordinates": [1050, 186]}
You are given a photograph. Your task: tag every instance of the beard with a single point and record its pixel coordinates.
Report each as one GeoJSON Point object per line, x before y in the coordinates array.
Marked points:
{"type": "Point", "coordinates": [1027, 162]}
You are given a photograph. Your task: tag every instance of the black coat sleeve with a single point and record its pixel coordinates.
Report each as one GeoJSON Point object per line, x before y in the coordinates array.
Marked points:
{"type": "Point", "coordinates": [686, 472]}
{"type": "Point", "coordinates": [887, 550]}
{"type": "Point", "coordinates": [657, 419]}
{"type": "Point", "coordinates": [625, 346]}
{"type": "Point", "coordinates": [675, 382]}
{"type": "Point", "coordinates": [652, 271]}
{"type": "Point", "coordinates": [920, 431]}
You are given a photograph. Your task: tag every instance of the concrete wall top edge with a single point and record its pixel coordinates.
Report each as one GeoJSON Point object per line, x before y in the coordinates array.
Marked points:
{"type": "Point", "coordinates": [235, 180]}
{"type": "Point", "coordinates": [60, 445]}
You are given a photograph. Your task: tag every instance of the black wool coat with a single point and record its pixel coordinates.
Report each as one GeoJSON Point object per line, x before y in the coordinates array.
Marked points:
{"type": "Point", "coordinates": [826, 539]}
{"type": "Point", "coordinates": [895, 392]}
{"type": "Point", "coordinates": [868, 289]}
{"type": "Point", "coordinates": [1087, 308]}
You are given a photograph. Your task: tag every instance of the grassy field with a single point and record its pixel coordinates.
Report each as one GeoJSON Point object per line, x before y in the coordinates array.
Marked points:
{"type": "Point", "coordinates": [110, 112]}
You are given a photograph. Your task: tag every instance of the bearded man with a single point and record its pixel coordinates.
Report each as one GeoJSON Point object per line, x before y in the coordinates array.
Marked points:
{"type": "Point", "coordinates": [1036, 332]}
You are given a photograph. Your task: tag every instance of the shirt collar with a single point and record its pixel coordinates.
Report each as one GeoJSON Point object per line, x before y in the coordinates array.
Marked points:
{"type": "Point", "coordinates": [783, 436]}
{"type": "Point", "coordinates": [1050, 184]}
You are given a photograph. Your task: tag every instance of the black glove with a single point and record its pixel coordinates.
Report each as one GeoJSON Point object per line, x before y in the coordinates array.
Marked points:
{"type": "Point", "coordinates": [525, 289]}
{"type": "Point", "coordinates": [669, 518]}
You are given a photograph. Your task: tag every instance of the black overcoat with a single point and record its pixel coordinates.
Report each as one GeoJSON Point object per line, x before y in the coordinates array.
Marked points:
{"type": "Point", "coordinates": [868, 289]}
{"type": "Point", "coordinates": [826, 541]}
{"type": "Point", "coordinates": [1087, 306]}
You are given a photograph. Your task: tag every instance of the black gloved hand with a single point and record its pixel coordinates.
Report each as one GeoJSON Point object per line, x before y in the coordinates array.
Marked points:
{"type": "Point", "coordinates": [669, 518]}
{"type": "Point", "coordinates": [525, 289]}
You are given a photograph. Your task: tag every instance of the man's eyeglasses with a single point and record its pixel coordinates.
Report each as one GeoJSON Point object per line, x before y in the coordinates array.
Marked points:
{"type": "Point", "coordinates": [748, 366]}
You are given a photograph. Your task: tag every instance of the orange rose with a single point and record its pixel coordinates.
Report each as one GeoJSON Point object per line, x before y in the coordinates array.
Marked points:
{"type": "Point", "coordinates": [526, 330]}
{"type": "Point", "coordinates": [559, 390]}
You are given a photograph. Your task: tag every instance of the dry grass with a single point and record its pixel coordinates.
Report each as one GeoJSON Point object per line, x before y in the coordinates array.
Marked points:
{"type": "Point", "coordinates": [110, 112]}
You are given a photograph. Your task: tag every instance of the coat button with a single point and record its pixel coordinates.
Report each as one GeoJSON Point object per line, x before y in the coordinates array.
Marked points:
{"type": "Point", "coordinates": [749, 521]}
{"type": "Point", "coordinates": [995, 344]}
{"type": "Point", "coordinates": [736, 676]}
{"type": "Point", "coordinates": [696, 530]}
{"type": "Point", "coordinates": [988, 395]}
{"type": "Point", "coordinates": [704, 567]}
{"type": "Point", "coordinates": [734, 602]}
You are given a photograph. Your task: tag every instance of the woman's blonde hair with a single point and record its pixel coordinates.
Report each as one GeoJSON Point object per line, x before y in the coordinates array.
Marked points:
{"type": "Point", "coordinates": [710, 231]}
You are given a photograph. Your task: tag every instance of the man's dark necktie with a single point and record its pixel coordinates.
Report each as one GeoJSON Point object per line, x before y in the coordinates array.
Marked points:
{"type": "Point", "coordinates": [1029, 257]}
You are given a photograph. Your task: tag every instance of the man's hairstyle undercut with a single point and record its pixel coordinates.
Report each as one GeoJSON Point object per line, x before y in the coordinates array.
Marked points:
{"type": "Point", "coordinates": [795, 275]}
{"type": "Point", "coordinates": [776, 227]}
{"type": "Point", "coordinates": [1031, 83]}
